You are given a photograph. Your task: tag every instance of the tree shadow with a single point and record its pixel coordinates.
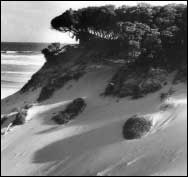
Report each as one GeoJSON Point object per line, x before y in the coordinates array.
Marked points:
{"type": "Point", "coordinates": [79, 144]}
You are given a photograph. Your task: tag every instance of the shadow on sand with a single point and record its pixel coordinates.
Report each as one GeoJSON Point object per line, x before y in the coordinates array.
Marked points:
{"type": "Point", "coordinates": [77, 145]}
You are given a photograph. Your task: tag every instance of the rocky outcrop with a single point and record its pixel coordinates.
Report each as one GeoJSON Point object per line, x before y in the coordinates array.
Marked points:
{"type": "Point", "coordinates": [136, 127]}
{"type": "Point", "coordinates": [136, 82]}
{"type": "Point", "coordinates": [72, 110]}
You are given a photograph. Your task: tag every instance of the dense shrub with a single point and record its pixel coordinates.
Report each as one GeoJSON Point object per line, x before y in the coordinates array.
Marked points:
{"type": "Point", "coordinates": [136, 127]}
{"type": "Point", "coordinates": [72, 110]}
{"type": "Point", "coordinates": [61, 118]}
{"type": "Point", "coordinates": [58, 82]}
{"type": "Point", "coordinates": [157, 33]}
{"type": "Point", "coordinates": [51, 52]}
{"type": "Point", "coordinates": [76, 106]}
{"type": "Point", "coordinates": [51, 49]}
{"type": "Point", "coordinates": [135, 82]}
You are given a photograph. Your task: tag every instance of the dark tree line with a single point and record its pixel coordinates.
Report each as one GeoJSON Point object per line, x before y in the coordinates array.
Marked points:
{"type": "Point", "coordinates": [149, 31]}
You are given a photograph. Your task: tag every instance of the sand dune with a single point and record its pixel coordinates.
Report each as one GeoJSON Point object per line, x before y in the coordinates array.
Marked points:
{"type": "Point", "coordinates": [93, 143]}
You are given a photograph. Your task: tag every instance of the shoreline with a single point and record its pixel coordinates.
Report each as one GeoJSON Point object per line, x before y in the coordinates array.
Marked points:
{"type": "Point", "coordinates": [7, 91]}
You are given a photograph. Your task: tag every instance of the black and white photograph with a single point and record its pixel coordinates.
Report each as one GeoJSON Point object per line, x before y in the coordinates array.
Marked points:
{"type": "Point", "coordinates": [93, 88]}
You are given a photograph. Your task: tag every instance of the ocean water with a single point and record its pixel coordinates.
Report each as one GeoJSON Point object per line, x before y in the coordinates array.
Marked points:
{"type": "Point", "coordinates": [19, 61]}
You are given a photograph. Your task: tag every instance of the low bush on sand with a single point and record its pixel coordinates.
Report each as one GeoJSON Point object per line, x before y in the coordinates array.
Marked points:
{"type": "Point", "coordinates": [71, 111]}
{"type": "Point", "coordinates": [136, 127]}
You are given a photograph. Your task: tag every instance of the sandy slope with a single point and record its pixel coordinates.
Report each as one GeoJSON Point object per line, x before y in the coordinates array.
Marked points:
{"type": "Point", "coordinates": [93, 144]}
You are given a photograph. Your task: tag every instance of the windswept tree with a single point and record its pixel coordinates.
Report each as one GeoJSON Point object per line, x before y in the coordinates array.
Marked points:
{"type": "Point", "coordinates": [150, 31]}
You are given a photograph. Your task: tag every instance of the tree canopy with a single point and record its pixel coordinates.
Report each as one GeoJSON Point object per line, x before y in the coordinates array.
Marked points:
{"type": "Point", "coordinates": [142, 29]}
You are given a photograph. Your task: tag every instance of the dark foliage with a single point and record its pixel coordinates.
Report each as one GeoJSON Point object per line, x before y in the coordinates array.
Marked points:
{"type": "Point", "coordinates": [71, 111]}
{"type": "Point", "coordinates": [51, 52]}
{"type": "Point", "coordinates": [135, 81]}
{"type": "Point", "coordinates": [58, 82]}
{"type": "Point", "coordinates": [136, 127]}
{"type": "Point", "coordinates": [157, 33]}
{"type": "Point", "coordinates": [76, 106]}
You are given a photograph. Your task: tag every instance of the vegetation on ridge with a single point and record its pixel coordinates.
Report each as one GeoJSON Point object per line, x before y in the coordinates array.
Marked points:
{"type": "Point", "coordinates": [135, 82]}
{"type": "Point", "coordinates": [156, 33]}
{"type": "Point", "coordinates": [148, 39]}
{"type": "Point", "coordinates": [58, 82]}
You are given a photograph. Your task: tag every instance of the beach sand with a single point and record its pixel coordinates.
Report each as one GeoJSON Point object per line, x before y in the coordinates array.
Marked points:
{"type": "Point", "coordinates": [92, 144]}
